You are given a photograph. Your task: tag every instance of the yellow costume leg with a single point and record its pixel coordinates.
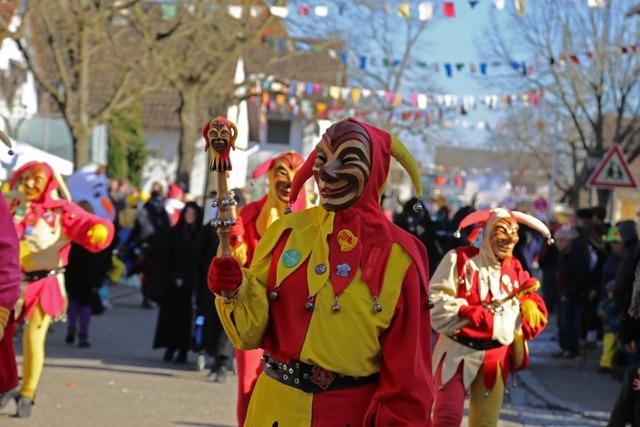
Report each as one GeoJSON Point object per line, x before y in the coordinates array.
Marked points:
{"type": "Point", "coordinates": [608, 350]}
{"type": "Point", "coordinates": [484, 407]}
{"type": "Point", "coordinates": [273, 403]}
{"type": "Point", "coordinates": [33, 342]}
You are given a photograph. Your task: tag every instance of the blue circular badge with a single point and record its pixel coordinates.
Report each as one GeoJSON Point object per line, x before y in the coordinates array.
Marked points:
{"type": "Point", "coordinates": [290, 257]}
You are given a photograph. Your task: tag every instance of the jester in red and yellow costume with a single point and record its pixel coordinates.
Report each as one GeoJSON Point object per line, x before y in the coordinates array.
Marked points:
{"type": "Point", "coordinates": [253, 221]}
{"type": "Point", "coordinates": [337, 296]}
{"type": "Point", "coordinates": [46, 222]}
{"type": "Point", "coordinates": [484, 309]}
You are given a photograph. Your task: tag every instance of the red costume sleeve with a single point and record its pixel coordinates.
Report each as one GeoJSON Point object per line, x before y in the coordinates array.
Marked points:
{"type": "Point", "coordinates": [76, 223]}
{"type": "Point", "coordinates": [10, 273]}
{"type": "Point", "coordinates": [401, 399]}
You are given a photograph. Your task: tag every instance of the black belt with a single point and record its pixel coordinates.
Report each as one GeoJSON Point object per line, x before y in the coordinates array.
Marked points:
{"type": "Point", "coordinates": [310, 378]}
{"type": "Point", "coordinates": [476, 344]}
{"type": "Point", "coordinates": [32, 276]}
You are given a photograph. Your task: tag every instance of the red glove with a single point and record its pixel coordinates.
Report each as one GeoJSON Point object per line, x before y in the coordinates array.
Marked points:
{"type": "Point", "coordinates": [224, 275]}
{"type": "Point", "coordinates": [477, 316]}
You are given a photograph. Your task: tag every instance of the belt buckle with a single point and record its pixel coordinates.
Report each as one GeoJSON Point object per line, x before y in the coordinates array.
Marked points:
{"type": "Point", "coordinates": [321, 377]}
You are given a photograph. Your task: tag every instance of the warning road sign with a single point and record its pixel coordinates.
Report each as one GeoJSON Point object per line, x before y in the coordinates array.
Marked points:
{"type": "Point", "coordinates": [612, 172]}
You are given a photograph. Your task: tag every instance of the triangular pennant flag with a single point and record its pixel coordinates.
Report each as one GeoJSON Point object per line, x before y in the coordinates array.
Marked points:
{"type": "Point", "coordinates": [366, 93]}
{"type": "Point", "coordinates": [483, 68]}
{"type": "Point", "coordinates": [473, 68]}
{"type": "Point", "coordinates": [521, 7]}
{"type": "Point", "coordinates": [459, 66]}
{"type": "Point", "coordinates": [425, 11]}
{"type": "Point", "coordinates": [449, 69]}
{"type": "Point", "coordinates": [235, 12]}
{"type": "Point", "coordinates": [397, 100]}
{"type": "Point", "coordinates": [473, 3]}
{"type": "Point", "coordinates": [575, 59]}
{"type": "Point", "coordinates": [422, 101]}
{"type": "Point", "coordinates": [256, 11]}
{"type": "Point", "coordinates": [279, 11]}
{"type": "Point", "coordinates": [499, 4]}
{"type": "Point", "coordinates": [449, 9]}
{"type": "Point", "coordinates": [344, 93]}
{"type": "Point", "coordinates": [355, 95]}
{"type": "Point", "coordinates": [624, 49]}
{"type": "Point", "coordinates": [597, 3]}
{"type": "Point", "coordinates": [389, 96]}
{"type": "Point", "coordinates": [404, 10]}
{"type": "Point", "coordinates": [321, 11]}
{"type": "Point", "coordinates": [303, 11]}
{"type": "Point", "coordinates": [363, 62]}
{"type": "Point", "coordinates": [334, 92]}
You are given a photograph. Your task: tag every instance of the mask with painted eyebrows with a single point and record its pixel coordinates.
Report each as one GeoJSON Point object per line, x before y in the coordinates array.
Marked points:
{"type": "Point", "coordinates": [343, 165]}
{"type": "Point", "coordinates": [504, 238]}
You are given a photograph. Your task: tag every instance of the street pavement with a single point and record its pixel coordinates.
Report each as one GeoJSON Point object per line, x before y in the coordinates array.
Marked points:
{"type": "Point", "coordinates": [121, 381]}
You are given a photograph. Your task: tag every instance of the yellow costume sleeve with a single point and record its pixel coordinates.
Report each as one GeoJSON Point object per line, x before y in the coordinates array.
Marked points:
{"type": "Point", "coordinates": [246, 316]}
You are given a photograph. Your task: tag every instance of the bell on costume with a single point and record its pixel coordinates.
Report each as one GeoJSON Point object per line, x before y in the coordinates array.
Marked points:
{"type": "Point", "coordinates": [335, 307]}
{"type": "Point", "coordinates": [310, 304]}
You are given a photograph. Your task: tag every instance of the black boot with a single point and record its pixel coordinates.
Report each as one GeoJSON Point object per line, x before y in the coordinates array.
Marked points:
{"type": "Point", "coordinates": [168, 355]}
{"type": "Point", "coordinates": [71, 336]}
{"type": "Point", "coordinates": [182, 357]}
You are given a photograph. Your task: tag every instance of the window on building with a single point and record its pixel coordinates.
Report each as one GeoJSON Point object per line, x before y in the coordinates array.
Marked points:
{"type": "Point", "coordinates": [278, 131]}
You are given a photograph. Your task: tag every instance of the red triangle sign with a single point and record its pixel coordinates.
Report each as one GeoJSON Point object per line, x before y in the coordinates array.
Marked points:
{"type": "Point", "coordinates": [612, 171]}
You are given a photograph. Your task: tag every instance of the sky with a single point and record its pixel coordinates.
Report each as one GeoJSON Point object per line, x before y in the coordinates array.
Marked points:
{"type": "Point", "coordinates": [448, 40]}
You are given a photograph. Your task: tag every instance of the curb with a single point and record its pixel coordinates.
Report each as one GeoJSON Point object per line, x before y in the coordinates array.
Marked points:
{"type": "Point", "coordinates": [531, 383]}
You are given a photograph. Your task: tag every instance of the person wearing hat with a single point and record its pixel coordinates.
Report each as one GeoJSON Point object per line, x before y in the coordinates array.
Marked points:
{"type": "Point", "coordinates": [254, 220]}
{"type": "Point", "coordinates": [484, 309]}
{"type": "Point", "coordinates": [337, 296]}
{"type": "Point", "coordinates": [47, 222]}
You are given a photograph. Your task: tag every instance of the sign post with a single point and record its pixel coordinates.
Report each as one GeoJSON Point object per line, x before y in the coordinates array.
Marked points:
{"type": "Point", "coordinates": [612, 172]}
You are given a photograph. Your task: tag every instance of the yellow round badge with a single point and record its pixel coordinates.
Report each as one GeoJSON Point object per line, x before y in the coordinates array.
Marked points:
{"type": "Point", "coordinates": [347, 240]}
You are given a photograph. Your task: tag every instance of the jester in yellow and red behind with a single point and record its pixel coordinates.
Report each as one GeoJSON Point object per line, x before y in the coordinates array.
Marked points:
{"type": "Point", "coordinates": [253, 222]}
{"type": "Point", "coordinates": [337, 296]}
{"type": "Point", "coordinates": [47, 222]}
{"type": "Point", "coordinates": [484, 309]}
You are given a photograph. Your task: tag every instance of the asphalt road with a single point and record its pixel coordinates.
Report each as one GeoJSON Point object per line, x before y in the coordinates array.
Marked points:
{"type": "Point", "coordinates": [120, 381]}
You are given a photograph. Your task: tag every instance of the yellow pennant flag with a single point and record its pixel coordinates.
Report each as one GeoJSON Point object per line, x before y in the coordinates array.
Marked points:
{"type": "Point", "coordinates": [521, 7]}
{"type": "Point", "coordinates": [404, 10]}
{"type": "Point", "coordinates": [356, 93]}
{"type": "Point", "coordinates": [334, 92]}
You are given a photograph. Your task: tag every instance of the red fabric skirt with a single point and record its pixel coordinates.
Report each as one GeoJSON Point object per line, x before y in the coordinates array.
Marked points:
{"type": "Point", "coordinates": [8, 367]}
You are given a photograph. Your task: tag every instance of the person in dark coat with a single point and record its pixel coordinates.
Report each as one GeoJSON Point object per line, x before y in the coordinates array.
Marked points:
{"type": "Point", "coordinates": [173, 330]}
{"type": "Point", "coordinates": [150, 236]}
{"type": "Point", "coordinates": [214, 340]}
{"type": "Point", "coordinates": [420, 225]}
{"type": "Point", "coordinates": [573, 286]}
{"type": "Point", "coordinates": [84, 276]}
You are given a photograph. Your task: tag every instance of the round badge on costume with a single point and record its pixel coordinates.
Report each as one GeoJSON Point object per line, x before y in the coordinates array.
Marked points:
{"type": "Point", "coordinates": [290, 258]}
{"type": "Point", "coordinates": [346, 240]}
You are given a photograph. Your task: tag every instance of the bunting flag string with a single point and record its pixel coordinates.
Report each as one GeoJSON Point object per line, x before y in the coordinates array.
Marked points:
{"type": "Point", "coordinates": [312, 99]}
{"type": "Point", "coordinates": [450, 69]}
{"type": "Point", "coordinates": [424, 11]}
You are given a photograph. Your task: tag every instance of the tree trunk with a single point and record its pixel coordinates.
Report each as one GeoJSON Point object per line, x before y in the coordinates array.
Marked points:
{"type": "Point", "coordinates": [189, 133]}
{"type": "Point", "coordinates": [81, 137]}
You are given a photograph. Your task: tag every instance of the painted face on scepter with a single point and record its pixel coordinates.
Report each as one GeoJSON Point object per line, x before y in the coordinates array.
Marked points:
{"type": "Point", "coordinates": [343, 165]}
{"type": "Point", "coordinates": [504, 238]}
{"type": "Point", "coordinates": [220, 136]}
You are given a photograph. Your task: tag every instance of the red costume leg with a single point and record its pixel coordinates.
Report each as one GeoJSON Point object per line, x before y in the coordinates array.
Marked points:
{"type": "Point", "coordinates": [448, 407]}
{"type": "Point", "coordinates": [8, 367]}
{"type": "Point", "coordinates": [249, 368]}
{"type": "Point", "coordinates": [345, 407]}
